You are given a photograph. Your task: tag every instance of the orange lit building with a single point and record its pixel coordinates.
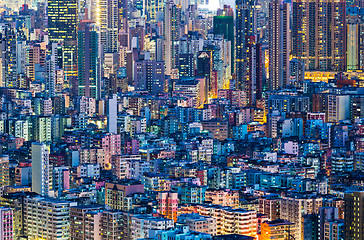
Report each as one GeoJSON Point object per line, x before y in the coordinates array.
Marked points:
{"type": "Point", "coordinates": [223, 197]}
{"type": "Point", "coordinates": [278, 230]}
{"type": "Point", "coordinates": [168, 205]}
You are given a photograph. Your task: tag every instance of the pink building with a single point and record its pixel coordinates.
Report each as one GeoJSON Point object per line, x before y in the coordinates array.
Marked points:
{"type": "Point", "coordinates": [166, 154]}
{"type": "Point", "coordinates": [316, 116]}
{"type": "Point", "coordinates": [223, 197]}
{"type": "Point", "coordinates": [168, 205]}
{"type": "Point", "coordinates": [131, 147]}
{"type": "Point", "coordinates": [236, 97]}
{"type": "Point", "coordinates": [111, 144]}
{"type": "Point", "coordinates": [6, 224]}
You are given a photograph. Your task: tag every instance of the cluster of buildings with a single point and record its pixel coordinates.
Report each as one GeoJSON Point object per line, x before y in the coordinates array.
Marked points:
{"type": "Point", "coordinates": [166, 120]}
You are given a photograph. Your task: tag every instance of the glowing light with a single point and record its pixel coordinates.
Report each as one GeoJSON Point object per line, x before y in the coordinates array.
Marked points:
{"type": "Point", "coordinates": [213, 5]}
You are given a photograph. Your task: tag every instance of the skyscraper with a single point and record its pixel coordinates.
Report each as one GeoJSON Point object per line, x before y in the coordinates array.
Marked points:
{"type": "Point", "coordinates": [279, 44]}
{"type": "Point", "coordinates": [245, 24]}
{"type": "Point", "coordinates": [62, 27]}
{"type": "Point", "coordinates": [172, 19]}
{"type": "Point", "coordinates": [8, 58]}
{"type": "Point", "coordinates": [47, 218]}
{"type": "Point", "coordinates": [354, 218]}
{"type": "Point", "coordinates": [254, 72]}
{"type": "Point", "coordinates": [185, 65]}
{"type": "Point", "coordinates": [112, 114]}
{"type": "Point", "coordinates": [168, 204]}
{"type": "Point", "coordinates": [204, 69]}
{"type": "Point", "coordinates": [108, 20]}
{"type": "Point", "coordinates": [355, 43]}
{"type": "Point", "coordinates": [4, 171]}
{"type": "Point", "coordinates": [224, 25]}
{"type": "Point", "coordinates": [40, 168]}
{"type": "Point", "coordinates": [50, 75]}
{"type": "Point", "coordinates": [149, 76]}
{"type": "Point", "coordinates": [319, 34]}
{"type": "Point", "coordinates": [88, 63]}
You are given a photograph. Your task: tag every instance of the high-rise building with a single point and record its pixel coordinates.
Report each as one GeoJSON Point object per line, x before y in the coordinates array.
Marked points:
{"type": "Point", "coordinates": [111, 112]}
{"type": "Point", "coordinates": [62, 27]}
{"type": "Point", "coordinates": [171, 33]}
{"type": "Point", "coordinates": [245, 25]}
{"type": "Point", "coordinates": [6, 224]}
{"type": "Point", "coordinates": [41, 130]}
{"type": "Point", "coordinates": [35, 58]}
{"type": "Point", "coordinates": [149, 76]}
{"type": "Point", "coordinates": [334, 230]}
{"type": "Point", "coordinates": [47, 218]}
{"type": "Point", "coordinates": [108, 20]}
{"type": "Point", "coordinates": [186, 65]}
{"type": "Point", "coordinates": [296, 71]}
{"type": "Point", "coordinates": [319, 34]}
{"type": "Point", "coordinates": [198, 223]}
{"type": "Point", "coordinates": [117, 195]}
{"type": "Point", "coordinates": [224, 25]}
{"type": "Point", "coordinates": [270, 207]}
{"type": "Point", "coordinates": [293, 209]}
{"type": "Point", "coordinates": [142, 224]}
{"type": "Point", "coordinates": [50, 76]}
{"type": "Point", "coordinates": [204, 70]}
{"type": "Point", "coordinates": [228, 220]}
{"type": "Point", "coordinates": [8, 58]}
{"type": "Point", "coordinates": [40, 168]}
{"type": "Point", "coordinates": [85, 221]}
{"type": "Point", "coordinates": [223, 197]}
{"type": "Point", "coordinates": [326, 215]}
{"type": "Point", "coordinates": [355, 43]}
{"type": "Point", "coordinates": [154, 8]}
{"type": "Point", "coordinates": [4, 170]}
{"type": "Point", "coordinates": [254, 71]}
{"type": "Point", "coordinates": [277, 229]}
{"type": "Point", "coordinates": [354, 218]}
{"type": "Point", "coordinates": [40, 15]}
{"type": "Point", "coordinates": [122, 15]}
{"type": "Point", "coordinates": [112, 225]}
{"type": "Point", "coordinates": [168, 205]}
{"type": "Point", "coordinates": [88, 63]}
{"type": "Point", "coordinates": [279, 44]}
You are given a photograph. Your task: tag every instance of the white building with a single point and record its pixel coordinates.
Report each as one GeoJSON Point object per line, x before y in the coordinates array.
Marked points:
{"type": "Point", "coordinates": [89, 170]}
{"type": "Point", "coordinates": [40, 168]}
{"type": "Point", "coordinates": [47, 219]}
{"type": "Point", "coordinates": [6, 224]}
{"type": "Point", "coordinates": [141, 224]}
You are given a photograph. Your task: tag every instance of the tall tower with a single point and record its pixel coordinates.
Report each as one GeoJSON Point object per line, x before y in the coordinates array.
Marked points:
{"type": "Point", "coordinates": [245, 25]}
{"type": "Point", "coordinates": [254, 71]}
{"type": "Point", "coordinates": [4, 171]}
{"type": "Point", "coordinates": [8, 58]}
{"type": "Point", "coordinates": [40, 168]}
{"type": "Point", "coordinates": [62, 27]}
{"type": "Point", "coordinates": [354, 219]}
{"type": "Point", "coordinates": [168, 204]}
{"type": "Point", "coordinates": [355, 43]}
{"type": "Point", "coordinates": [319, 34]}
{"type": "Point", "coordinates": [224, 25]}
{"type": "Point", "coordinates": [108, 20]}
{"type": "Point", "coordinates": [172, 19]}
{"type": "Point", "coordinates": [50, 75]}
{"type": "Point", "coordinates": [88, 63]}
{"type": "Point", "coordinates": [279, 44]}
